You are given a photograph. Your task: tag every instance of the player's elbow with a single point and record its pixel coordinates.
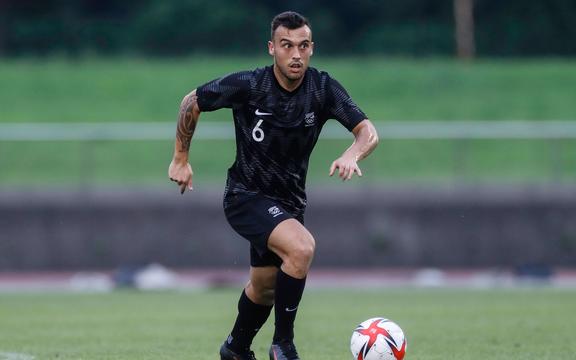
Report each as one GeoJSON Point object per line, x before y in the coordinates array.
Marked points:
{"type": "Point", "coordinates": [374, 139]}
{"type": "Point", "coordinates": [371, 135]}
{"type": "Point", "coordinates": [190, 100]}
{"type": "Point", "coordinates": [366, 133]}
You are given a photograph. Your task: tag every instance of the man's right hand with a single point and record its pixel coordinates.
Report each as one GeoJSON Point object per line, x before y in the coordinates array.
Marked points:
{"type": "Point", "coordinates": [181, 173]}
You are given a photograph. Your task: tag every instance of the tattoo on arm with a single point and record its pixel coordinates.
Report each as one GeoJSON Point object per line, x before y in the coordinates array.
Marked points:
{"type": "Point", "coordinates": [187, 120]}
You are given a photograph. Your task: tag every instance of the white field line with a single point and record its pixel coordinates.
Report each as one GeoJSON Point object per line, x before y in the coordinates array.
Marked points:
{"type": "Point", "coordinates": [15, 356]}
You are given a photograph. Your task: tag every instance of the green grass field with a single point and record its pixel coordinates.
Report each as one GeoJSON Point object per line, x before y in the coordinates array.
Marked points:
{"type": "Point", "coordinates": [109, 90]}
{"type": "Point", "coordinates": [116, 163]}
{"type": "Point", "coordinates": [138, 90]}
{"type": "Point", "coordinates": [516, 324]}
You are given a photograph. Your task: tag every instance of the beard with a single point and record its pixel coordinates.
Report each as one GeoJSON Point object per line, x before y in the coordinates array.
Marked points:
{"type": "Point", "coordinates": [290, 75]}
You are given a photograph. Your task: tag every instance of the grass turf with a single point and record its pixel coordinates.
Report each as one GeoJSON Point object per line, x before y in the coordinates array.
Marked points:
{"type": "Point", "coordinates": [139, 90]}
{"type": "Point", "coordinates": [514, 324]}
{"type": "Point", "coordinates": [127, 163]}
{"type": "Point", "coordinates": [109, 90]}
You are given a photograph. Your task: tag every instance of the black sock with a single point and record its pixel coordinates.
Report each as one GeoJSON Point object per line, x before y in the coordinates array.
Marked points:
{"type": "Point", "coordinates": [251, 317]}
{"type": "Point", "coordinates": [287, 297]}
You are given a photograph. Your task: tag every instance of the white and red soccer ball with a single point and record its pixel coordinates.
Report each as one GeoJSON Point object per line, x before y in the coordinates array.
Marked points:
{"type": "Point", "coordinates": [378, 339]}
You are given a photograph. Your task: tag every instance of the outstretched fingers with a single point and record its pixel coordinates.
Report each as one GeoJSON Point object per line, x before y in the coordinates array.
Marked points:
{"type": "Point", "coordinates": [352, 170]}
{"type": "Point", "coordinates": [345, 170]}
{"type": "Point", "coordinates": [332, 168]}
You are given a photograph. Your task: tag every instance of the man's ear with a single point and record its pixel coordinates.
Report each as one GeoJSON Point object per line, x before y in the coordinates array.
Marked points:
{"type": "Point", "coordinates": [271, 48]}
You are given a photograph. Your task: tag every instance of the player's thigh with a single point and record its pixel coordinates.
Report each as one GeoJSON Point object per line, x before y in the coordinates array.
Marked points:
{"type": "Point", "coordinates": [254, 217]}
{"type": "Point", "coordinates": [291, 239]}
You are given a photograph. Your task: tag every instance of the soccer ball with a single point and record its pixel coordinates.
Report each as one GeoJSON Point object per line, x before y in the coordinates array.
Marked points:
{"type": "Point", "coordinates": [378, 339]}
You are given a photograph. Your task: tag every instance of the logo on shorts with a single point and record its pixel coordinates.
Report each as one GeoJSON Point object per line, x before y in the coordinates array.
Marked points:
{"type": "Point", "coordinates": [309, 119]}
{"type": "Point", "coordinates": [275, 211]}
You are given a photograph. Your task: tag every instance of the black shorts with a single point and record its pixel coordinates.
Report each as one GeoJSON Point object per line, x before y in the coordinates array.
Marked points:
{"type": "Point", "coordinates": [254, 217]}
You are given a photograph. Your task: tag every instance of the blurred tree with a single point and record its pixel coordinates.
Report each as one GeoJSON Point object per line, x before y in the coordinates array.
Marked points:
{"type": "Point", "coordinates": [3, 25]}
{"type": "Point", "coordinates": [526, 28]}
{"type": "Point", "coordinates": [464, 19]}
{"type": "Point", "coordinates": [180, 27]}
{"type": "Point", "coordinates": [393, 27]}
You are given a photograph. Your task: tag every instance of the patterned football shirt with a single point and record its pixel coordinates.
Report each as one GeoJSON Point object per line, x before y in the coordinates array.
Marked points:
{"type": "Point", "coordinates": [276, 130]}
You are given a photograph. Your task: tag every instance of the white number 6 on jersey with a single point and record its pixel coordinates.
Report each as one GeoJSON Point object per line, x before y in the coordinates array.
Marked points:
{"type": "Point", "coordinates": [257, 132]}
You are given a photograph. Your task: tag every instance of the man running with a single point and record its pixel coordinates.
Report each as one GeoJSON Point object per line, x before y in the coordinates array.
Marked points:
{"type": "Point", "coordinates": [278, 112]}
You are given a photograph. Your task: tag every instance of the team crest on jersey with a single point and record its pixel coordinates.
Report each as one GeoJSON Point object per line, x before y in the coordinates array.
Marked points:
{"type": "Point", "coordinates": [309, 119]}
{"type": "Point", "coordinates": [275, 211]}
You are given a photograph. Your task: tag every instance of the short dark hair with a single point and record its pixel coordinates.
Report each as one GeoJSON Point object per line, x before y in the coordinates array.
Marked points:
{"type": "Point", "coordinates": [289, 19]}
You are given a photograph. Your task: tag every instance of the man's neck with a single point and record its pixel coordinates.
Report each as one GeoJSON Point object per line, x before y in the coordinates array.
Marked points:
{"type": "Point", "coordinates": [285, 83]}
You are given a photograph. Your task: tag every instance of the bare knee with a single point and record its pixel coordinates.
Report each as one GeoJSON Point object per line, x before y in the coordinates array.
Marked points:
{"type": "Point", "coordinates": [298, 260]}
{"type": "Point", "coordinates": [304, 251]}
{"type": "Point", "coordinates": [295, 245]}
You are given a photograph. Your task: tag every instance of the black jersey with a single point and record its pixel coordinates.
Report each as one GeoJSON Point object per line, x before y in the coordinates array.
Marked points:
{"type": "Point", "coordinates": [276, 130]}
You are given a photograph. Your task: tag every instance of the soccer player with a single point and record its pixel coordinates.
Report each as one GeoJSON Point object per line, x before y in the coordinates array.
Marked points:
{"type": "Point", "coordinates": [278, 112]}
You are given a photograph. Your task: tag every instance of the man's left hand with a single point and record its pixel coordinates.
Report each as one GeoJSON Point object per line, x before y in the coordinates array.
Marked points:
{"type": "Point", "coordinates": [346, 166]}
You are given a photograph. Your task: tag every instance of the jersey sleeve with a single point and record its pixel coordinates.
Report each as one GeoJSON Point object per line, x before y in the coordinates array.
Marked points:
{"type": "Point", "coordinates": [341, 107]}
{"type": "Point", "coordinates": [224, 92]}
